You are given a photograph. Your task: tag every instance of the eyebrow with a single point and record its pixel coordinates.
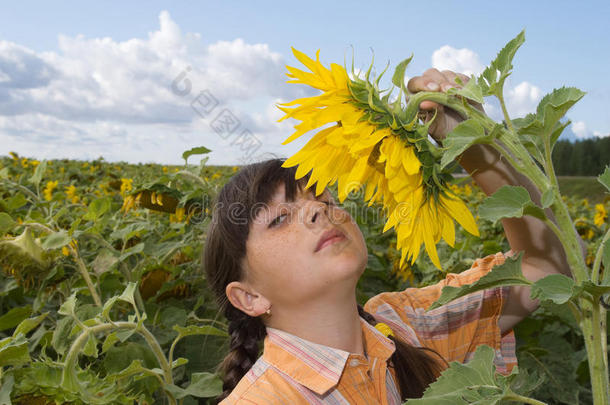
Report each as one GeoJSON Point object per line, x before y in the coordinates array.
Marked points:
{"type": "Point", "coordinates": [325, 193]}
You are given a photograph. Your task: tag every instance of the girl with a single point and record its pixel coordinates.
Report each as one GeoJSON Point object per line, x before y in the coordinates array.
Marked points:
{"type": "Point", "coordinates": [284, 265]}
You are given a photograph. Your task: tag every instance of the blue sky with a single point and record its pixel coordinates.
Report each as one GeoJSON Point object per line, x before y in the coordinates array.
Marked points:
{"type": "Point", "coordinates": [84, 79]}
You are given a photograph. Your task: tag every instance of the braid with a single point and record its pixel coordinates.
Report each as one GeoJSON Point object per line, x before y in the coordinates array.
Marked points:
{"type": "Point", "coordinates": [416, 367]}
{"type": "Point", "coordinates": [245, 332]}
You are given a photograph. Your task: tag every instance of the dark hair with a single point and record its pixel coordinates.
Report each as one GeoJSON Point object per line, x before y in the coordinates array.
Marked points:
{"type": "Point", "coordinates": [236, 206]}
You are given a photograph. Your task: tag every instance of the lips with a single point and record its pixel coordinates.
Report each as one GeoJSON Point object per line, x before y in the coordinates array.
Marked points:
{"type": "Point", "coordinates": [330, 234]}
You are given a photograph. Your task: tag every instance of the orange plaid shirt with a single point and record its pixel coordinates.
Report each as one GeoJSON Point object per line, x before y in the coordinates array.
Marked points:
{"type": "Point", "coordinates": [296, 371]}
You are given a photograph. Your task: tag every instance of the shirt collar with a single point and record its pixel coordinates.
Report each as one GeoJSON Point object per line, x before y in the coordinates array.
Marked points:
{"type": "Point", "coordinates": [316, 366]}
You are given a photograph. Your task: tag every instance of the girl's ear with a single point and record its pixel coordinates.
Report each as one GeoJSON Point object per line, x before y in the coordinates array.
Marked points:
{"type": "Point", "coordinates": [246, 299]}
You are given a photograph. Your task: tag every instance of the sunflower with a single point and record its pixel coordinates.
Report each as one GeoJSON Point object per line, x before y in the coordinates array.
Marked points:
{"type": "Point", "coordinates": [600, 214]}
{"type": "Point", "coordinates": [365, 140]}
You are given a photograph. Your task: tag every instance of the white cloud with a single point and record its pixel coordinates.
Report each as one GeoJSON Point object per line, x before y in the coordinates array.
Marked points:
{"type": "Point", "coordinates": [580, 129]}
{"type": "Point", "coordinates": [458, 60]}
{"type": "Point", "coordinates": [96, 92]}
{"type": "Point", "coordinates": [521, 99]}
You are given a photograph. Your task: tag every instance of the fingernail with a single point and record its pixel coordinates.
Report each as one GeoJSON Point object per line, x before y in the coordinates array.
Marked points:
{"type": "Point", "coordinates": [447, 86]}
{"type": "Point", "coordinates": [432, 86]}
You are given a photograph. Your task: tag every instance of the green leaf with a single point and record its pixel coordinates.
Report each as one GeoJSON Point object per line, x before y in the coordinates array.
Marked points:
{"type": "Point", "coordinates": [195, 151]}
{"type": "Point", "coordinates": [108, 306]}
{"type": "Point", "coordinates": [507, 273]}
{"type": "Point", "coordinates": [38, 173]}
{"type": "Point", "coordinates": [109, 342]}
{"type": "Point", "coordinates": [203, 385]}
{"type": "Point", "coordinates": [5, 390]}
{"type": "Point", "coordinates": [554, 287]}
{"type": "Point", "coordinates": [554, 105]}
{"type": "Point", "coordinates": [132, 251]}
{"type": "Point", "coordinates": [199, 330]}
{"type": "Point", "coordinates": [6, 223]}
{"type": "Point", "coordinates": [547, 198]}
{"type": "Point", "coordinates": [104, 261]}
{"type": "Point", "coordinates": [595, 289]}
{"type": "Point", "coordinates": [471, 91]}
{"type": "Point", "coordinates": [67, 308]}
{"type": "Point", "coordinates": [97, 208]}
{"type": "Point", "coordinates": [15, 202]}
{"type": "Point", "coordinates": [509, 202]}
{"type": "Point", "coordinates": [472, 383]}
{"type": "Point", "coordinates": [56, 240]}
{"type": "Point", "coordinates": [14, 351]}
{"type": "Point", "coordinates": [28, 324]}
{"type": "Point", "coordinates": [90, 348]}
{"type": "Point", "coordinates": [490, 82]}
{"type": "Point", "coordinates": [14, 316]}
{"type": "Point", "coordinates": [398, 79]}
{"type": "Point", "coordinates": [604, 178]}
{"type": "Point", "coordinates": [464, 135]}
{"type": "Point", "coordinates": [180, 361]}
{"type": "Point", "coordinates": [128, 293]}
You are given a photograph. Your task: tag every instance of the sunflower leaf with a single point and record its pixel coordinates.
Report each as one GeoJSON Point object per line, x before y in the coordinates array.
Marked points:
{"type": "Point", "coordinates": [554, 287]}
{"type": "Point", "coordinates": [507, 273]}
{"type": "Point", "coordinates": [475, 382]}
{"type": "Point", "coordinates": [464, 135]}
{"type": "Point", "coordinates": [471, 91]}
{"type": "Point", "coordinates": [492, 78]}
{"type": "Point", "coordinates": [195, 151]}
{"type": "Point", "coordinates": [604, 178]}
{"type": "Point", "coordinates": [509, 202]}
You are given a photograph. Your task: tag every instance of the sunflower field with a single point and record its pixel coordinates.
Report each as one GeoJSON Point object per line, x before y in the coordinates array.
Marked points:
{"type": "Point", "coordinates": [103, 299]}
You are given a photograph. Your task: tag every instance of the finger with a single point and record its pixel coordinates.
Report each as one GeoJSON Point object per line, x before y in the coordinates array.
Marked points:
{"type": "Point", "coordinates": [450, 77]}
{"type": "Point", "coordinates": [429, 81]}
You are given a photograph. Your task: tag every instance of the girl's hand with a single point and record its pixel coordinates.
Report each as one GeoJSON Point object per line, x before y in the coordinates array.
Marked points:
{"type": "Point", "coordinates": [446, 118]}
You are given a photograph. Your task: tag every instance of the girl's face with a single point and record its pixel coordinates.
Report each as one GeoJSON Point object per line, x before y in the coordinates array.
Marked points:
{"type": "Point", "coordinates": [282, 260]}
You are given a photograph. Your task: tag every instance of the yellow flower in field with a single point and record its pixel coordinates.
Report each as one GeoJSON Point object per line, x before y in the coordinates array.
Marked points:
{"type": "Point", "coordinates": [71, 194]}
{"type": "Point", "coordinates": [24, 162]}
{"type": "Point", "coordinates": [48, 190]}
{"type": "Point", "coordinates": [589, 235]}
{"type": "Point", "coordinates": [363, 144]}
{"type": "Point", "coordinates": [164, 169]}
{"type": "Point", "coordinates": [85, 165]}
{"type": "Point", "coordinates": [176, 170]}
{"type": "Point", "coordinates": [126, 185]}
{"type": "Point", "coordinates": [585, 203]}
{"type": "Point", "coordinates": [62, 170]}
{"type": "Point", "coordinates": [34, 163]}
{"type": "Point", "coordinates": [65, 251]}
{"type": "Point", "coordinates": [600, 214]}
{"type": "Point", "coordinates": [14, 156]}
{"type": "Point", "coordinates": [216, 175]}
{"type": "Point", "coordinates": [235, 168]}
{"type": "Point", "coordinates": [129, 203]}
{"type": "Point", "coordinates": [178, 216]}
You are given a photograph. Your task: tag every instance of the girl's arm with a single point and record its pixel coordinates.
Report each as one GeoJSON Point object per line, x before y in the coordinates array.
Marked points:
{"type": "Point", "coordinates": [543, 252]}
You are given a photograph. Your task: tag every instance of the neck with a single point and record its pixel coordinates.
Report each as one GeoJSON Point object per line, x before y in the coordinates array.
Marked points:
{"type": "Point", "coordinates": [331, 321]}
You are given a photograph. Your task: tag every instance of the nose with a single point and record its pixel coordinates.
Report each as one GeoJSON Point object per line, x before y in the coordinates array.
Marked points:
{"type": "Point", "coordinates": [318, 213]}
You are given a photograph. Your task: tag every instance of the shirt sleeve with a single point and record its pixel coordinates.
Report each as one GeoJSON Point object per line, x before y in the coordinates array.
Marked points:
{"type": "Point", "coordinates": [455, 329]}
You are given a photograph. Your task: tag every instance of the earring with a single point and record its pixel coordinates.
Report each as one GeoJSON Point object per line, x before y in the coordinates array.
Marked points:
{"type": "Point", "coordinates": [268, 311]}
